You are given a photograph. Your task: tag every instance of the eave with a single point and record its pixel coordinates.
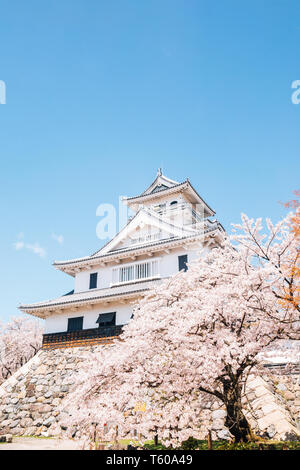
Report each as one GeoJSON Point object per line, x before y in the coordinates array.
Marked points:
{"type": "Point", "coordinates": [70, 267]}
{"type": "Point", "coordinates": [89, 300]}
{"type": "Point", "coordinates": [186, 186]}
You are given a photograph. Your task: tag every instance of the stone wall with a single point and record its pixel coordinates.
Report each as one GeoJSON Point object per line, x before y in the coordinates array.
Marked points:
{"type": "Point", "coordinates": [29, 400]}
{"type": "Point", "coordinates": [287, 391]}
{"type": "Point", "coordinates": [271, 413]}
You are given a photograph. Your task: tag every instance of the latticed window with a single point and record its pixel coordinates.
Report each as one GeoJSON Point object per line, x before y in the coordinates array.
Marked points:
{"type": "Point", "coordinates": [135, 271]}
{"type": "Point", "coordinates": [126, 274]}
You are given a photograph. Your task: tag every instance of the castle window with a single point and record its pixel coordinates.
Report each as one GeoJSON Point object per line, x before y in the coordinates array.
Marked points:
{"type": "Point", "coordinates": [173, 203]}
{"type": "Point", "coordinates": [135, 271]}
{"type": "Point", "coordinates": [93, 280]}
{"type": "Point", "coordinates": [75, 324]}
{"type": "Point", "coordinates": [106, 319]}
{"type": "Point", "coordinates": [161, 208]}
{"type": "Point", "coordinates": [182, 260]}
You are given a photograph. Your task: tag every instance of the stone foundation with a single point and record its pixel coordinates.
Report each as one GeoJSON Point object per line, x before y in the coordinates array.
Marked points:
{"type": "Point", "coordinates": [29, 400]}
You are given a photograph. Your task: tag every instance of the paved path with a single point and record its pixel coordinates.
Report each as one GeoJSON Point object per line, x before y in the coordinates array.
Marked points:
{"type": "Point", "coordinates": [34, 443]}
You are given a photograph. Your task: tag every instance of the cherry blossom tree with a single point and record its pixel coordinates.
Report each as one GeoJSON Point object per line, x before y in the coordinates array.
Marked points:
{"type": "Point", "coordinates": [280, 251]}
{"type": "Point", "coordinates": [195, 337]}
{"type": "Point", "coordinates": [20, 340]}
{"type": "Point", "coordinates": [292, 291]}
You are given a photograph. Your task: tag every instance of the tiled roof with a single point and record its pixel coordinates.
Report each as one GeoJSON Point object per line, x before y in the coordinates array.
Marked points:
{"type": "Point", "coordinates": [160, 180]}
{"type": "Point", "coordinates": [133, 248]}
{"type": "Point", "coordinates": [174, 188]}
{"type": "Point", "coordinates": [92, 296]}
{"type": "Point", "coordinates": [150, 195]}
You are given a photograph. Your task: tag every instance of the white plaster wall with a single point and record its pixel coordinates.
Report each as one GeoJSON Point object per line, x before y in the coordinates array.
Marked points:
{"type": "Point", "coordinates": [167, 200]}
{"type": "Point", "coordinates": [82, 279]}
{"type": "Point", "coordinates": [169, 262]}
{"type": "Point", "coordinates": [168, 266]}
{"type": "Point", "coordinates": [59, 322]}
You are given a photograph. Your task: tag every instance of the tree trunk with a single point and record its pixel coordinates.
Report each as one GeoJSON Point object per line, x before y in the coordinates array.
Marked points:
{"type": "Point", "coordinates": [235, 420]}
{"type": "Point", "coordinates": [237, 424]}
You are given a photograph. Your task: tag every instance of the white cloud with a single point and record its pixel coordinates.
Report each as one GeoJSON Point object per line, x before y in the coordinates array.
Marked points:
{"type": "Point", "coordinates": [19, 245]}
{"type": "Point", "coordinates": [37, 249]}
{"type": "Point", "coordinates": [33, 247]}
{"type": "Point", "coordinates": [58, 238]}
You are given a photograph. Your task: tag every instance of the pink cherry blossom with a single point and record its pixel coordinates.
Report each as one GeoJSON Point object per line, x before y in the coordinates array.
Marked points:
{"type": "Point", "coordinates": [20, 339]}
{"type": "Point", "coordinates": [193, 339]}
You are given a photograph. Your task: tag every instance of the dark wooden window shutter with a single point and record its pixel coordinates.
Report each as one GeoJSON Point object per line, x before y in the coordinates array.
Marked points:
{"type": "Point", "coordinates": [93, 280]}
{"type": "Point", "coordinates": [106, 319]}
{"type": "Point", "coordinates": [75, 324]}
{"type": "Point", "coordinates": [182, 260]}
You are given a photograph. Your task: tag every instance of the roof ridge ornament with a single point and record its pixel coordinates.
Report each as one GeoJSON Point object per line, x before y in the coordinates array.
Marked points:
{"type": "Point", "coordinates": [159, 172]}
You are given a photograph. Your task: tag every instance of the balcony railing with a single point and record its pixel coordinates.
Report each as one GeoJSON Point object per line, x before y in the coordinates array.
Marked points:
{"type": "Point", "coordinates": [146, 238]}
{"type": "Point", "coordinates": [180, 207]}
{"type": "Point", "coordinates": [135, 272]}
{"type": "Point", "coordinates": [92, 336]}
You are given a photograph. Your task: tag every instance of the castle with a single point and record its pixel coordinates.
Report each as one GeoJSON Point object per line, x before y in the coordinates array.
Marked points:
{"type": "Point", "coordinates": [171, 223]}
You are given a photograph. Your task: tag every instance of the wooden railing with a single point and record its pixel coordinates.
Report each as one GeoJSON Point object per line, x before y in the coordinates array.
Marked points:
{"type": "Point", "coordinates": [92, 336]}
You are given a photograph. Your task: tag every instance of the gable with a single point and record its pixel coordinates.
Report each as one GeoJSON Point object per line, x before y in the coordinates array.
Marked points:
{"type": "Point", "coordinates": [145, 228]}
{"type": "Point", "coordinates": [159, 188]}
{"type": "Point", "coordinates": [160, 183]}
{"type": "Point", "coordinates": [143, 235]}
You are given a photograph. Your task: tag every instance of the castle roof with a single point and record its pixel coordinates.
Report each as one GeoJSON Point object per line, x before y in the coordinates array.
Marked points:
{"type": "Point", "coordinates": [163, 187]}
{"type": "Point", "coordinates": [136, 241]}
{"type": "Point", "coordinates": [89, 298]}
{"type": "Point", "coordinates": [102, 257]}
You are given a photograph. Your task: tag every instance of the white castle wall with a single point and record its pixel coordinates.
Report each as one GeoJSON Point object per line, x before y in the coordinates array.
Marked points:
{"type": "Point", "coordinates": [168, 267]}
{"type": "Point", "coordinates": [59, 322]}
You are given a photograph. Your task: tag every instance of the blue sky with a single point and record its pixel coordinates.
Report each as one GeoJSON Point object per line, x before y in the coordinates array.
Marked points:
{"type": "Point", "coordinates": [102, 93]}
